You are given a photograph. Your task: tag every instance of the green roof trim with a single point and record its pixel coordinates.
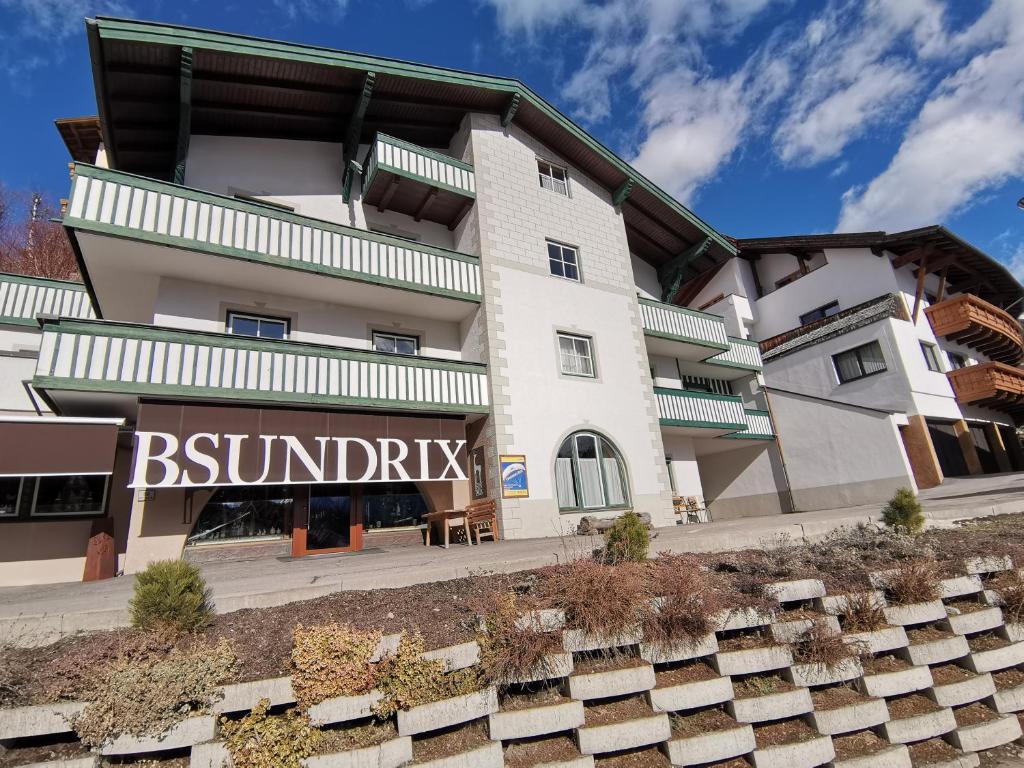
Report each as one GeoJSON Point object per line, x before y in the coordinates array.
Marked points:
{"type": "Point", "coordinates": [50, 282]}
{"type": "Point", "coordinates": [698, 395]}
{"type": "Point", "coordinates": [165, 34]}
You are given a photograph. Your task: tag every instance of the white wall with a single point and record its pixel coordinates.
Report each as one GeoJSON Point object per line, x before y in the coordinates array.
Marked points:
{"type": "Point", "coordinates": [19, 347]}
{"type": "Point", "coordinates": [645, 276]}
{"type": "Point", "coordinates": [683, 465]}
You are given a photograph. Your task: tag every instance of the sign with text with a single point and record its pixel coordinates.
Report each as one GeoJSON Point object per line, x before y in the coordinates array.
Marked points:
{"type": "Point", "coordinates": [182, 446]}
{"type": "Point", "coordinates": [514, 484]}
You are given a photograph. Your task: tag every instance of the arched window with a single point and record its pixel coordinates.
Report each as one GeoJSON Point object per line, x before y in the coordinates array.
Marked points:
{"type": "Point", "coordinates": [590, 474]}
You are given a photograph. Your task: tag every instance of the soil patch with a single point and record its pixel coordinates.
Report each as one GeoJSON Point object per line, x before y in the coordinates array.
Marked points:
{"type": "Point", "coordinates": [783, 732]}
{"type": "Point", "coordinates": [927, 635]}
{"type": "Point", "coordinates": [530, 752]}
{"type": "Point", "coordinates": [799, 614]}
{"type": "Point", "coordinates": [589, 664]}
{"type": "Point", "coordinates": [947, 674]}
{"type": "Point", "coordinates": [987, 642]}
{"type": "Point", "coordinates": [911, 705]}
{"type": "Point", "coordinates": [746, 641]}
{"type": "Point", "coordinates": [699, 723]}
{"type": "Point", "coordinates": [40, 753]}
{"type": "Point", "coordinates": [839, 696]}
{"type": "Point", "coordinates": [857, 745]}
{"type": "Point", "coordinates": [760, 685]}
{"type": "Point", "coordinates": [617, 711]}
{"type": "Point", "coordinates": [972, 714]}
{"type": "Point", "coordinates": [646, 757]}
{"type": "Point", "coordinates": [965, 606]}
{"type": "Point", "coordinates": [454, 741]}
{"type": "Point", "coordinates": [514, 701]}
{"type": "Point", "coordinates": [359, 737]}
{"type": "Point", "coordinates": [687, 673]}
{"type": "Point", "coordinates": [883, 665]}
{"type": "Point", "coordinates": [1008, 678]}
{"type": "Point", "coordinates": [932, 751]}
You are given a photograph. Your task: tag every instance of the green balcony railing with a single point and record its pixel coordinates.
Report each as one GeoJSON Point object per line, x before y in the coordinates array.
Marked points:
{"type": "Point", "coordinates": [668, 321]}
{"type": "Point", "coordinates": [408, 160]}
{"type": "Point", "coordinates": [145, 360]}
{"type": "Point", "coordinates": [23, 299]}
{"type": "Point", "coordinates": [125, 205]}
{"type": "Point", "coordinates": [759, 426]}
{"type": "Point", "coordinates": [741, 354]}
{"type": "Point", "coordinates": [682, 408]}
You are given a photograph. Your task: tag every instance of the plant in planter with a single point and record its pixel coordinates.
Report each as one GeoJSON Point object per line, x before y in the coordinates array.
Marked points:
{"type": "Point", "coordinates": [863, 613]}
{"type": "Point", "coordinates": [1012, 599]}
{"type": "Point", "coordinates": [147, 694]}
{"type": "Point", "coordinates": [821, 647]}
{"type": "Point", "coordinates": [170, 595]}
{"type": "Point", "coordinates": [903, 513]}
{"type": "Point", "coordinates": [332, 660]}
{"type": "Point", "coordinates": [627, 541]}
{"type": "Point", "coordinates": [511, 646]}
{"type": "Point", "coordinates": [262, 740]}
{"type": "Point", "coordinates": [600, 599]}
{"type": "Point", "coordinates": [691, 598]}
{"type": "Point", "coordinates": [407, 680]}
{"type": "Point", "coordinates": [915, 581]}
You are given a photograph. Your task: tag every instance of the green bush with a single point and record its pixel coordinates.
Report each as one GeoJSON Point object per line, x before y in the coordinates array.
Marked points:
{"type": "Point", "coordinates": [903, 513]}
{"type": "Point", "coordinates": [262, 740]}
{"type": "Point", "coordinates": [170, 595]}
{"type": "Point", "coordinates": [627, 540]}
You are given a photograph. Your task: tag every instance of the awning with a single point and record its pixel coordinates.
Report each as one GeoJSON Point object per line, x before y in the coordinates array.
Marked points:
{"type": "Point", "coordinates": [55, 446]}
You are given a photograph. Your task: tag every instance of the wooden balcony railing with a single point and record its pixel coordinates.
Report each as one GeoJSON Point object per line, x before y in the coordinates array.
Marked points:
{"type": "Point", "coordinates": [979, 325]}
{"type": "Point", "coordinates": [994, 385]}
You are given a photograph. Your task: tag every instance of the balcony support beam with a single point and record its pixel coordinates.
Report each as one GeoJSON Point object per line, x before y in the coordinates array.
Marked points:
{"type": "Point", "coordinates": [623, 192]}
{"type": "Point", "coordinates": [425, 205]}
{"type": "Point", "coordinates": [510, 110]}
{"type": "Point", "coordinates": [353, 131]}
{"type": "Point", "coordinates": [389, 193]}
{"type": "Point", "coordinates": [460, 215]}
{"type": "Point", "coordinates": [184, 114]}
{"type": "Point", "coordinates": [671, 275]}
{"type": "Point", "coordinates": [921, 273]}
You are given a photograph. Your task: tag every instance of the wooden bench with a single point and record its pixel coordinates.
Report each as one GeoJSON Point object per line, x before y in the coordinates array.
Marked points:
{"type": "Point", "coordinates": [483, 519]}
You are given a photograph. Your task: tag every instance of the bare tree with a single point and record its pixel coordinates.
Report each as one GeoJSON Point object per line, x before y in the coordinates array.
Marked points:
{"type": "Point", "coordinates": [30, 243]}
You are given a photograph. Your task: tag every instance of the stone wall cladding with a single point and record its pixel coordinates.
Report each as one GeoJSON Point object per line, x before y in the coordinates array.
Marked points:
{"type": "Point", "coordinates": [663, 701]}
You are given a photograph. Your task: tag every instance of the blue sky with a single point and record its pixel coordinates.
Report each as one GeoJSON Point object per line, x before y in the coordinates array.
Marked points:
{"type": "Point", "coordinates": [767, 117]}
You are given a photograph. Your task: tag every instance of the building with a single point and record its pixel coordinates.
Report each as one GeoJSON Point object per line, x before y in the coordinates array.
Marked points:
{"type": "Point", "coordinates": [889, 359]}
{"type": "Point", "coordinates": [331, 292]}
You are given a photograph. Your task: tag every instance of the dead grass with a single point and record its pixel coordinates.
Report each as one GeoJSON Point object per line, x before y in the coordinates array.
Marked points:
{"type": "Point", "coordinates": [1012, 600]}
{"type": "Point", "coordinates": [914, 581]}
{"type": "Point", "coordinates": [514, 645]}
{"type": "Point", "coordinates": [863, 613]}
{"type": "Point", "coordinates": [691, 598]}
{"type": "Point", "coordinates": [821, 647]}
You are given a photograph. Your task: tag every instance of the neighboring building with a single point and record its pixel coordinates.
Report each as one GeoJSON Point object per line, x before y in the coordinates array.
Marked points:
{"type": "Point", "coordinates": [332, 291]}
{"type": "Point", "coordinates": [889, 359]}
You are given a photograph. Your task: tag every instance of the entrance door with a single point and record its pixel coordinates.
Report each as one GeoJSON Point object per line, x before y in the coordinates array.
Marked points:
{"type": "Point", "coordinates": [947, 449]}
{"type": "Point", "coordinates": [984, 450]}
{"type": "Point", "coordinates": [328, 518]}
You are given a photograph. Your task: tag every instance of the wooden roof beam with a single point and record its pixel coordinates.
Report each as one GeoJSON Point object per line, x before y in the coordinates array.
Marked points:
{"type": "Point", "coordinates": [353, 131]}
{"type": "Point", "coordinates": [911, 256]}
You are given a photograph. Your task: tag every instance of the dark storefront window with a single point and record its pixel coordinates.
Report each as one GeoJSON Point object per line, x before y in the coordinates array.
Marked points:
{"type": "Point", "coordinates": [330, 515]}
{"type": "Point", "coordinates": [245, 512]}
{"type": "Point", "coordinates": [392, 505]}
{"type": "Point", "coordinates": [70, 495]}
{"type": "Point", "coordinates": [9, 487]}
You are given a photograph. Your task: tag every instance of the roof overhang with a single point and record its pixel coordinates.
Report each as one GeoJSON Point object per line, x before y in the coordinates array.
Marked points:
{"type": "Point", "coordinates": [81, 135]}
{"type": "Point", "coordinates": [251, 86]}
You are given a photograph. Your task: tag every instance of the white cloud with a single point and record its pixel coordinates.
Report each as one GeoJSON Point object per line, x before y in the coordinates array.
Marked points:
{"type": "Point", "coordinates": [59, 19]}
{"type": "Point", "coordinates": [531, 16]}
{"type": "Point", "coordinates": [840, 169]}
{"type": "Point", "coordinates": [312, 9]}
{"type": "Point", "coordinates": [967, 139]}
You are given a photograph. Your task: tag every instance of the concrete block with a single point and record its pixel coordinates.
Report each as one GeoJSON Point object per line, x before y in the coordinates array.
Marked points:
{"type": "Point", "coordinates": [90, 761]}
{"type": "Point", "coordinates": [553, 666]}
{"type": "Point", "coordinates": [616, 682]}
{"type": "Point", "coordinates": [890, 684]}
{"type": "Point", "coordinates": [212, 754]}
{"type": "Point", "coordinates": [448, 712]}
{"type": "Point", "coordinates": [743, 618]}
{"type": "Point", "coordinates": [542, 620]}
{"type": "Point", "coordinates": [583, 761]}
{"type": "Point", "coordinates": [597, 739]}
{"type": "Point", "coordinates": [960, 585]}
{"type": "Point", "coordinates": [966, 760]}
{"type": "Point", "coordinates": [577, 641]}
{"type": "Point", "coordinates": [1008, 700]}
{"type": "Point", "coordinates": [193, 730]}
{"type": "Point", "coordinates": [895, 756]}
{"type": "Point", "coordinates": [752, 660]}
{"type": "Point", "coordinates": [964, 692]}
{"type": "Point", "coordinates": [969, 622]}
{"type": "Point", "coordinates": [241, 697]}
{"type": "Point", "coordinates": [39, 720]}
{"type": "Point", "coordinates": [995, 733]}
{"type": "Point", "coordinates": [802, 753]}
{"type": "Point", "coordinates": [915, 613]}
{"type": "Point", "coordinates": [774, 706]}
{"type": "Point", "coordinates": [988, 564]}
{"type": "Point", "coordinates": [796, 589]}
{"type": "Point", "coordinates": [808, 675]}
{"type": "Point", "coordinates": [536, 721]}
{"type": "Point", "coordinates": [341, 709]}
{"type": "Point", "coordinates": [679, 650]}
{"type": "Point", "coordinates": [456, 657]}
{"type": "Point", "coordinates": [838, 604]}
{"type": "Point", "coordinates": [936, 651]}
{"type": "Point", "coordinates": [879, 640]}
{"type": "Point", "coordinates": [997, 659]}
{"type": "Point", "coordinates": [1014, 632]}
{"type": "Point", "coordinates": [790, 631]}
{"type": "Point", "coordinates": [391, 754]}
{"type": "Point", "coordinates": [487, 756]}
{"type": "Point", "coordinates": [853, 717]}
{"type": "Point", "coordinates": [919, 727]}
{"type": "Point", "coordinates": [701, 693]}
{"type": "Point", "coordinates": [711, 747]}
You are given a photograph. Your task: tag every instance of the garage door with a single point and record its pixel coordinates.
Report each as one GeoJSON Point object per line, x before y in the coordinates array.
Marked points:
{"type": "Point", "coordinates": [947, 448]}
{"type": "Point", "coordinates": [984, 449]}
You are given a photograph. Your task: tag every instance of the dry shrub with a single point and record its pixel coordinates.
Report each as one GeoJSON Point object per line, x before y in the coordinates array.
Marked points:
{"type": "Point", "coordinates": [1012, 599]}
{"type": "Point", "coordinates": [408, 680]}
{"type": "Point", "coordinates": [332, 660]}
{"type": "Point", "coordinates": [691, 600]}
{"type": "Point", "coordinates": [262, 740]}
{"type": "Point", "coordinates": [600, 599]}
{"type": "Point", "coordinates": [863, 613]}
{"type": "Point", "coordinates": [144, 695]}
{"type": "Point", "coordinates": [513, 645]}
{"type": "Point", "coordinates": [820, 646]}
{"type": "Point", "coordinates": [914, 581]}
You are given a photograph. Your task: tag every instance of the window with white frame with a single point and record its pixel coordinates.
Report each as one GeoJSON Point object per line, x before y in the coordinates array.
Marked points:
{"type": "Point", "coordinates": [589, 474]}
{"type": "Point", "coordinates": [931, 357]}
{"type": "Point", "coordinates": [856, 363]}
{"type": "Point", "coordinates": [53, 496]}
{"type": "Point", "coordinates": [396, 343]}
{"type": "Point", "coordinates": [563, 261]}
{"type": "Point", "coordinates": [576, 355]}
{"type": "Point", "coordinates": [552, 177]}
{"type": "Point", "coordinates": [244, 324]}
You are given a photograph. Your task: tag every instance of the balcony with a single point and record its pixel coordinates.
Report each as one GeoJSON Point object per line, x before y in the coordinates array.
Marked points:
{"type": "Point", "coordinates": [399, 176]}
{"type": "Point", "coordinates": [682, 333]}
{"type": "Point", "coordinates": [23, 299]}
{"type": "Point", "coordinates": [975, 323]}
{"type": "Point", "coordinates": [131, 230]}
{"type": "Point", "coordinates": [103, 367]}
{"type": "Point", "coordinates": [759, 426]}
{"type": "Point", "coordinates": [993, 385]}
{"type": "Point", "coordinates": [742, 354]}
{"type": "Point", "coordinates": [699, 414]}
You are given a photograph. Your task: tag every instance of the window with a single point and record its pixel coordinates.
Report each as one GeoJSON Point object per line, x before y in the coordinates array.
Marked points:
{"type": "Point", "coordinates": [563, 260]}
{"type": "Point", "coordinates": [52, 496]}
{"type": "Point", "coordinates": [957, 360]}
{"type": "Point", "coordinates": [552, 177]}
{"type": "Point", "coordinates": [10, 489]}
{"type": "Point", "coordinates": [826, 310]}
{"type": "Point", "coordinates": [242, 324]}
{"type": "Point", "coordinates": [240, 512]}
{"type": "Point", "coordinates": [859, 362]}
{"type": "Point", "coordinates": [589, 474]}
{"type": "Point", "coordinates": [396, 343]}
{"type": "Point", "coordinates": [575, 355]}
{"type": "Point", "coordinates": [931, 357]}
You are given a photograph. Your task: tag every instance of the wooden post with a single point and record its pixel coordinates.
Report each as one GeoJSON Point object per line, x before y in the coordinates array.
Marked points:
{"type": "Point", "coordinates": [941, 294]}
{"type": "Point", "coordinates": [922, 271]}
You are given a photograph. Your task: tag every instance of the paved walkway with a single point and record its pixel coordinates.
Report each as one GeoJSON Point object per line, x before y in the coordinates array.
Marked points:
{"type": "Point", "coordinates": [39, 614]}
